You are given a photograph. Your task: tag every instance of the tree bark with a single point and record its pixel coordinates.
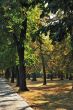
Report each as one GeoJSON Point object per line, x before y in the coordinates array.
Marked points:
{"type": "Point", "coordinates": [43, 65]}
{"type": "Point", "coordinates": [7, 74]}
{"type": "Point", "coordinates": [22, 68]}
{"type": "Point", "coordinates": [17, 76]}
{"type": "Point", "coordinates": [51, 76]}
{"type": "Point", "coordinates": [71, 35]}
{"type": "Point", "coordinates": [34, 77]}
{"type": "Point", "coordinates": [20, 49]}
{"type": "Point", "coordinates": [12, 75]}
{"type": "Point", "coordinates": [67, 75]}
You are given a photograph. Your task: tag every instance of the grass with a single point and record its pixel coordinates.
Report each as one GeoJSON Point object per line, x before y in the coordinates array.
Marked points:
{"type": "Point", "coordinates": [56, 95]}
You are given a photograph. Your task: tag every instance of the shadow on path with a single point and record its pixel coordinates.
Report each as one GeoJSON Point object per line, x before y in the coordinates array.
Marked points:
{"type": "Point", "coordinates": [9, 100]}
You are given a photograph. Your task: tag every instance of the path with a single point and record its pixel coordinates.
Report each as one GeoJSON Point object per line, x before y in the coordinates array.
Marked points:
{"type": "Point", "coordinates": [9, 100]}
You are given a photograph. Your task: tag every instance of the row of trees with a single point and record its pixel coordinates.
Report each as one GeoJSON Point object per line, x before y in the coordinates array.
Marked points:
{"type": "Point", "coordinates": [36, 32]}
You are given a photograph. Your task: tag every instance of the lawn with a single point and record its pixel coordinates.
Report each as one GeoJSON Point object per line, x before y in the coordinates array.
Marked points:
{"type": "Point", "coordinates": [56, 95]}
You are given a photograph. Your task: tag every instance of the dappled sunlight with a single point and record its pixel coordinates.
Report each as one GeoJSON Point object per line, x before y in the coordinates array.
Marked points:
{"type": "Point", "coordinates": [51, 84]}
{"type": "Point", "coordinates": [36, 47]}
{"type": "Point", "coordinates": [55, 95]}
{"type": "Point", "coordinates": [41, 102]}
{"type": "Point", "coordinates": [38, 85]}
{"type": "Point", "coordinates": [61, 109]}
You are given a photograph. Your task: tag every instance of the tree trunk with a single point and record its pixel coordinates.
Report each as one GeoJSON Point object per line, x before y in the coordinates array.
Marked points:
{"type": "Point", "coordinates": [43, 65]}
{"type": "Point", "coordinates": [71, 35]}
{"type": "Point", "coordinates": [17, 76]}
{"type": "Point", "coordinates": [28, 76]}
{"type": "Point", "coordinates": [22, 69]}
{"type": "Point", "coordinates": [12, 75]}
{"type": "Point", "coordinates": [20, 48]}
{"type": "Point", "coordinates": [70, 77]}
{"type": "Point", "coordinates": [51, 76]}
{"type": "Point", "coordinates": [44, 71]}
{"type": "Point", "coordinates": [34, 77]}
{"type": "Point", "coordinates": [67, 76]}
{"type": "Point", "coordinates": [7, 74]}
{"type": "Point", "coordinates": [61, 76]}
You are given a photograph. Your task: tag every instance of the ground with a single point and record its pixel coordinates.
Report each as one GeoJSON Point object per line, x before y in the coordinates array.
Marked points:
{"type": "Point", "coordinates": [9, 99]}
{"type": "Point", "coordinates": [56, 95]}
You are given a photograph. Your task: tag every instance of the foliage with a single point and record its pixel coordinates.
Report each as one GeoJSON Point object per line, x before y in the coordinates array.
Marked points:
{"type": "Point", "coordinates": [52, 17]}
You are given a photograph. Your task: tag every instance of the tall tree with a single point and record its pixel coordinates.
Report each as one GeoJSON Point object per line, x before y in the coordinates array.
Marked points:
{"type": "Point", "coordinates": [15, 20]}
